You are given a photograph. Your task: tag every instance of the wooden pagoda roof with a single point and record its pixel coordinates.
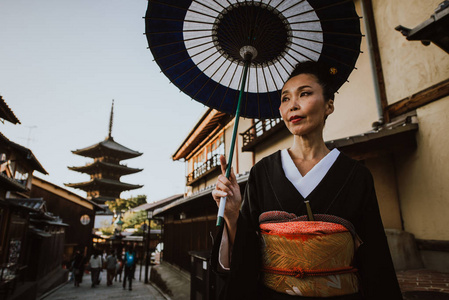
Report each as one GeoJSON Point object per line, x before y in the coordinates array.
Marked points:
{"type": "Point", "coordinates": [6, 113]}
{"type": "Point", "coordinates": [94, 167]}
{"type": "Point", "coordinates": [103, 199]}
{"type": "Point", "coordinates": [108, 147]}
{"type": "Point", "coordinates": [96, 183]}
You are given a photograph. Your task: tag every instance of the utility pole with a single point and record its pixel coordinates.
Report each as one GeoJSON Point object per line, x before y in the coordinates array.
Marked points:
{"type": "Point", "coordinates": [147, 244]}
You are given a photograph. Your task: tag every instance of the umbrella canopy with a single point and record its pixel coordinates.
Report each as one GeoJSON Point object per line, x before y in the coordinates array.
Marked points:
{"type": "Point", "coordinates": [201, 45]}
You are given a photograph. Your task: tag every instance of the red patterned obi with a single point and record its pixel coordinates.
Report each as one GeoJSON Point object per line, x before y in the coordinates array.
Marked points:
{"type": "Point", "coordinates": [308, 258]}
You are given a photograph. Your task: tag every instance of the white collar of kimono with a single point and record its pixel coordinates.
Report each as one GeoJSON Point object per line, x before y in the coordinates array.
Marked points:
{"type": "Point", "coordinates": [306, 184]}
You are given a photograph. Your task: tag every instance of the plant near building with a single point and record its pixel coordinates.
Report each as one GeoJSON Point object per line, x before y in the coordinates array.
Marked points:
{"type": "Point", "coordinates": [123, 205]}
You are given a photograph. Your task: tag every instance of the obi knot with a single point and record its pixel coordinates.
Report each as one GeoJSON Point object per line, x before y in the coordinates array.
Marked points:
{"type": "Point", "coordinates": [299, 273]}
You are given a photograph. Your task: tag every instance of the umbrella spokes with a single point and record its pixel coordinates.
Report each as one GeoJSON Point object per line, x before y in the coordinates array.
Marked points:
{"type": "Point", "coordinates": [208, 7]}
{"type": "Point", "coordinates": [187, 71]}
{"type": "Point", "coordinates": [328, 20]}
{"type": "Point", "coordinates": [228, 88]}
{"type": "Point", "coordinates": [245, 24]}
{"type": "Point", "coordinates": [189, 40]}
{"type": "Point", "coordinates": [180, 51]}
{"type": "Point", "coordinates": [209, 79]}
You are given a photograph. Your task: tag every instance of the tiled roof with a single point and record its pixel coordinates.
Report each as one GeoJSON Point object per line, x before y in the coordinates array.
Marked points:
{"type": "Point", "coordinates": [156, 204]}
{"type": "Point", "coordinates": [241, 179]}
{"type": "Point", "coordinates": [42, 183]}
{"type": "Point", "coordinates": [389, 138]}
{"type": "Point", "coordinates": [211, 122]}
{"type": "Point", "coordinates": [26, 154]}
{"type": "Point", "coordinates": [36, 205]}
{"type": "Point", "coordinates": [6, 113]}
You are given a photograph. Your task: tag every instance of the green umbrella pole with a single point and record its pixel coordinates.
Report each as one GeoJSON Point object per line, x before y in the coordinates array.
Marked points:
{"type": "Point", "coordinates": [220, 217]}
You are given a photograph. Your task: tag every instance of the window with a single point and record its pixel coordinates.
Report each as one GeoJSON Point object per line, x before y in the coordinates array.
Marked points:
{"type": "Point", "coordinates": [208, 157]}
{"type": "Point", "coordinates": [216, 147]}
{"type": "Point", "coordinates": [21, 175]}
{"type": "Point", "coordinates": [199, 159]}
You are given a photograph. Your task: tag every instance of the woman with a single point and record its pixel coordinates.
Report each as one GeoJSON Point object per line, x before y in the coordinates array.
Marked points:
{"type": "Point", "coordinates": [96, 264]}
{"type": "Point", "coordinates": [305, 180]}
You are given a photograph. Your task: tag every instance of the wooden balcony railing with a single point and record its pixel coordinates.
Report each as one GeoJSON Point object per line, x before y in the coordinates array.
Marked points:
{"type": "Point", "coordinates": [261, 130]}
{"type": "Point", "coordinates": [211, 164]}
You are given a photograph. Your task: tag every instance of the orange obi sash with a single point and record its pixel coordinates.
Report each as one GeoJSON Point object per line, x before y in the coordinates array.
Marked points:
{"type": "Point", "coordinates": [308, 258]}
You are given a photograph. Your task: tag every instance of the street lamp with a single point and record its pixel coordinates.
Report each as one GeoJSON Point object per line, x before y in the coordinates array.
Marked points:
{"type": "Point", "coordinates": [147, 246]}
{"type": "Point", "coordinates": [118, 225]}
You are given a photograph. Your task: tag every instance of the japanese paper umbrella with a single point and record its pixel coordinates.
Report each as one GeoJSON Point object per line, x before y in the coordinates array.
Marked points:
{"type": "Point", "coordinates": [234, 56]}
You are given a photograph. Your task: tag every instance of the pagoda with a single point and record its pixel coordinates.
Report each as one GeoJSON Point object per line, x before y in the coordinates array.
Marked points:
{"type": "Point", "coordinates": [105, 171]}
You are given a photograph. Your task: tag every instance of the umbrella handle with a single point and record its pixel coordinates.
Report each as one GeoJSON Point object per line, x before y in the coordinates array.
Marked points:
{"type": "Point", "coordinates": [221, 209]}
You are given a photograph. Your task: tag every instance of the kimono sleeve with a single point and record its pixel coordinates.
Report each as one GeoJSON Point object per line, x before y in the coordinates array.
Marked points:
{"type": "Point", "coordinates": [373, 259]}
{"type": "Point", "coordinates": [241, 280]}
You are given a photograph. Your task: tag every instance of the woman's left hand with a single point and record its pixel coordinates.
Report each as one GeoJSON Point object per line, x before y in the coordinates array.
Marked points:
{"type": "Point", "coordinates": [230, 189]}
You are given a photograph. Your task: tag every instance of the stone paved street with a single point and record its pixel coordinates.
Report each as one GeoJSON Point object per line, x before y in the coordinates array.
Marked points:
{"type": "Point", "coordinates": [140, 291]}
{"type": "Point", "coordinates": [415, 285]}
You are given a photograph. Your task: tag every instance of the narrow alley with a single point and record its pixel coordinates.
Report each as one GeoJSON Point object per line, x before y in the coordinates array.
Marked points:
{"type": "Point", "coordinates": [139, 291]}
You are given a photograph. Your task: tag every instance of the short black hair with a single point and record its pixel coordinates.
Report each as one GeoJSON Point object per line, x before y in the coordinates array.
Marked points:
{"type": "Point", "coordinates": [323, 73]}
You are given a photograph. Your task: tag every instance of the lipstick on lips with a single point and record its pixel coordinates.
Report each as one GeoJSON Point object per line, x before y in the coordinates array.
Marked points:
{"type": "Point", "coordinates": [295, 119]}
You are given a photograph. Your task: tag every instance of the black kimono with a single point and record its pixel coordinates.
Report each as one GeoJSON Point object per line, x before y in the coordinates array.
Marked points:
{"type": "Point", "coordinates": [347, 191]}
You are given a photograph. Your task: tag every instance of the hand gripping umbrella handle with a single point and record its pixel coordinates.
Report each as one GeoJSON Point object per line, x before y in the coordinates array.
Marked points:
{"type": "Point", "coordinates": [221, 209]}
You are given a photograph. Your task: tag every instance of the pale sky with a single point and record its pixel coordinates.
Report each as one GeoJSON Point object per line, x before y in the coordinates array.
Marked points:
{"type": "Point", "coordinates": [61, 64]}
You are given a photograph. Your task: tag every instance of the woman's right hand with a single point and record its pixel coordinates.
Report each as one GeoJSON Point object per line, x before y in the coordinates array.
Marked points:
{"type": "Point", "coordinates": [230, 189]}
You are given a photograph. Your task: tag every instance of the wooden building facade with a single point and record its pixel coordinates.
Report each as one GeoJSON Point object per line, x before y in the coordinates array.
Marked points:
{"type": "Point", "coordinates": [31, 238]}
{"type": "Point", "coordinates": [75, 211]}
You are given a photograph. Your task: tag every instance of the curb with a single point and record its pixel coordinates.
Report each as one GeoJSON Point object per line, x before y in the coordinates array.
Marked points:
{"type": "Point", "coordinates": [52, 291]}
{"type": "Point", "coordinates": [159, 290]}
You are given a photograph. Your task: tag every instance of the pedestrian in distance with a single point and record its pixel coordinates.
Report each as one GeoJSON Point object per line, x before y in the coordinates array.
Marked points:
{"type": "Point", "coordinates": [104, 255]}
{"type": "Point", "coordinates": [95, 264]}
{"type": "Point", "coordinates": [119, 269]}
{"type": "Point", "coordinates": [78, 267]}
{"type": "Point", "coordinates": [308, 225]}
{"type": "Point", "coordinates": [111, 265]}
{"type": "Point", "coordinates": [130, 265]}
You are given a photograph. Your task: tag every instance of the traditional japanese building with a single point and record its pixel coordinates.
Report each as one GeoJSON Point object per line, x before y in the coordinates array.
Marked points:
{"type": "Point", "coordinates": [105, 171]}
{"type": "Point", "coordinates": [31, 237]}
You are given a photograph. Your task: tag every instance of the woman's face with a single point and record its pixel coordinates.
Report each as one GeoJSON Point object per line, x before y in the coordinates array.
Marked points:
{"type": "Point", "coordinates": [303, 107]}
